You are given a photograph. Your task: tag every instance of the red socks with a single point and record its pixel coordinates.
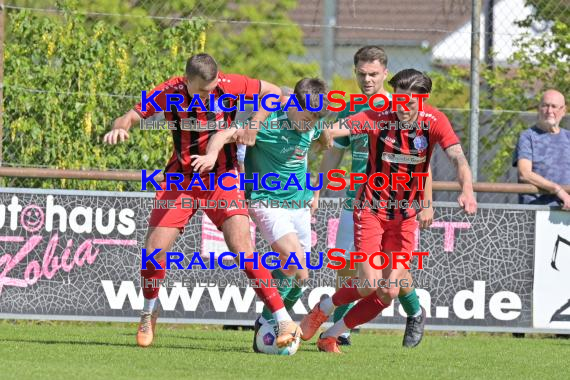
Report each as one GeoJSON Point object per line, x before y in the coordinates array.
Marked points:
{"type": "Point", "coordinates": [150, 292]}
{"type": "Point", "coordinates": [364, 311]}
{"type": "Point", "coordinates": [269, 295]}
{"type": "Point", "coordinates": [346, 295]}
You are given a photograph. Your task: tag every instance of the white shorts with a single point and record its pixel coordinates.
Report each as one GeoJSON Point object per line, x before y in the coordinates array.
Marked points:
{"type": "Point", "coordinates": [274, 223]}
{"type": "Point", "coordinates": [345, 232]}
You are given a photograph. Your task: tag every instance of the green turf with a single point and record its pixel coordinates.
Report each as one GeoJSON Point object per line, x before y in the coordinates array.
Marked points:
{"type": "Point", "coordinates": [107, 351]}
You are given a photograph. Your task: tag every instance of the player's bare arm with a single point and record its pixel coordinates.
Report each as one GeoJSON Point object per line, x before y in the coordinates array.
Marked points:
{"type": "Point", "coordinates": [466, 198]}
{"type": "Point", "coordinates": [247, 136]}
{"type": "Point", "coordinates": [526, 175]}
{"type": "Point", "coordinates": [206, 162]}
{"type": "Point", "coordinates": [121, 126]}
{"type": "Point", "coordinates": [325, 140]}
{"type": "Point", "coordinates": [425, 217]}
{"type": "Point", "coordinates": [338, 129]}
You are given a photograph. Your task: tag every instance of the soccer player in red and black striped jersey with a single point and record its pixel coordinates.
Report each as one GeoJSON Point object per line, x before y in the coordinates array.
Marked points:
{"type": "Point", "coordinates": [396, 149]}
{"type": "Point", "coordinates": [201, 78]}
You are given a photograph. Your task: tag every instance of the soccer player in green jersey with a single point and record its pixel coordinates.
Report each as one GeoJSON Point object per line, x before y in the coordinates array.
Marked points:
{"type": "Point", "coordinates": [370, 66]}
{"type": "Point", "coordinates": [281, 146]}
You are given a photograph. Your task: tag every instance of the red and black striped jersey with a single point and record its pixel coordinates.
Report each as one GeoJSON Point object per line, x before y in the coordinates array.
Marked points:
{"type": "Point", "coordinates": [399, 150]}
{"type": "Point", "coordinates": [194, 142]}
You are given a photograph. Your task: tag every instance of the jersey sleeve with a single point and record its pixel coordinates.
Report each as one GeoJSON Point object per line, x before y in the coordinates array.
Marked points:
{"type": "Point", "coordinates": [442, 132]}
{"type": "Point", "coordinates": [317, 134]}
{"type": "Point", "coordinates": [237, 84]}
{"type": "Point", "coordinates": [159, 99]}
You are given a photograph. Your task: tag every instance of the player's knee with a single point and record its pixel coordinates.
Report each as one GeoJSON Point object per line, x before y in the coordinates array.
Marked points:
{"type": "Point", "coordinates": [365, 286]}
{"type": "Point", "coordinates": [387, 294]}
{"type": "Point", "coordinates": [160, 256]}
{"type": "Point", "coordinates": [365, 291]}
{"type": "Point", "coordinates": [240, 242]}
{"type": "Point", "coordinates": [152, 244]}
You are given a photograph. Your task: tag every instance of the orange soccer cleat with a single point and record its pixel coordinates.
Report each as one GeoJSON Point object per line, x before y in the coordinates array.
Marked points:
{"type": "Point", "coordinates": [328, 344]}
{"type": "Point", "coordinates": [287, 332]}
{"type": "Point", "coordinates": [147, 326]}
{"type": "Point", "coordinates": [312, 321]}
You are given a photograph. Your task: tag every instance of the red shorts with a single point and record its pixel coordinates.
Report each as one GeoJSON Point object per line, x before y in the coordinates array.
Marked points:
{"type": "Point", "coordinates": [372, 234]}
{"type": "Point", "coordinates": [180, 215]}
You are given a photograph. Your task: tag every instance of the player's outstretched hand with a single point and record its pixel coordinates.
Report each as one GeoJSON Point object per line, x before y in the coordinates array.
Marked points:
{"type": "Point", "coordinates": [425, 217]}
{"type": "Point", "coordinates": [203, 164]}
{"type": "Point", "coordinates": [468, 203]}
{"type": "Point", "coordinates": [116, 135]}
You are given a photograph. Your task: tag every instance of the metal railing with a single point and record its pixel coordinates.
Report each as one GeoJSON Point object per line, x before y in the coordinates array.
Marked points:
{"type": "Point", "coordinates": [103, 175]}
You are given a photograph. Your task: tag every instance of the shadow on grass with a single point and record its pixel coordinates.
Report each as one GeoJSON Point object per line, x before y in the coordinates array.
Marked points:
{"type": "Point", "coordinates": [165, 334]}
{"type": "Point", "coordinates": [112, 344]}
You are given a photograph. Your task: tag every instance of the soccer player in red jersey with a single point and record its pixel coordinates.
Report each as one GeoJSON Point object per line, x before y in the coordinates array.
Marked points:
{"type": "Point", "coordinates": [202, 78]}
{"type": "Point", "coordinates": [393, 148]}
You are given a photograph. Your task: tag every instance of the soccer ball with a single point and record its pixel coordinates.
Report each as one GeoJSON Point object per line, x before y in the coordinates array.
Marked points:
{"type": "Point", "coordinates": [266, 340]}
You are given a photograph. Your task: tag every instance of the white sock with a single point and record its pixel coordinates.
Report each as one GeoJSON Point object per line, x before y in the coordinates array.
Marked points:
{"type": "Point", "coordinates": [336, 329]}
{"type": "Point", "coordinates": [327, 306]}
{"type": "Point", "coordinates": [418, 313]}
{"type": "Point", "coordinates": [263, 321]}
{"type": "Point", "coordinates": [282, 315]}
{"type": "Point", "coordinates": [149, 305]}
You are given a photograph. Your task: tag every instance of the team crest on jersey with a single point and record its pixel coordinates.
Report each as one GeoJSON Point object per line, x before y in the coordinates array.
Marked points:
{"type": "Point", "coordinates": [420, 143]}
{"type": "Point", "coordinates": [299, 153]}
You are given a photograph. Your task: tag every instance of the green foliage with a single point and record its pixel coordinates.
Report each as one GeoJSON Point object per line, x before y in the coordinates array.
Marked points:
{"type": "Point", "coordinates": [263, 49]}
{"type": "Point", "coordinates": [539, 63]}
{"type": "Point", "coordinates": [79, 64]}
{"type": "Point", "coordinates": [89, 56]}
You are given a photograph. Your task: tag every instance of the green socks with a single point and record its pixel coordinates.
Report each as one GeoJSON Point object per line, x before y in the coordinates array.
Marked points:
{"type": "Point", "coordinates": [411, 303]}
{"type": "Point", "coordinates": [294, 295]}
{"type": "Point", "coordinates": [341, 311]}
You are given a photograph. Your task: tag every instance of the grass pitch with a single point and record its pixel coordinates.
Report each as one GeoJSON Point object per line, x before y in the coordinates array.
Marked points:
{"type": "Point", "coordinates": [64, 350]}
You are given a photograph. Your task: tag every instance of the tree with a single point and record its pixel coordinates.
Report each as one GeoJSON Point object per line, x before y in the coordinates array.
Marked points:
{"type": "Point", "coordinates": [66, 82]}
{"type": "Point", "coordinates": [538, 63]}
{"type": "Point", "coordinates": [79, 59]}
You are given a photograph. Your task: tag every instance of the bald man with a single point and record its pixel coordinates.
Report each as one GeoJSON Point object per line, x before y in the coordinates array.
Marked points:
{"type": "Point", "coordinates": [542, 154]}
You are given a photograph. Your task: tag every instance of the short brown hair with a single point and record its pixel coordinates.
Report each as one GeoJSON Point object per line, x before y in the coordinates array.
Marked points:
{"type": "Point", "coordinates": [371, 53]}
{"type": "Point", "coordinates": [202, 65]}
{"type": "Point", "coordinates": [411, 80]}
{"type": "Point", "coordinates": [314, 87]}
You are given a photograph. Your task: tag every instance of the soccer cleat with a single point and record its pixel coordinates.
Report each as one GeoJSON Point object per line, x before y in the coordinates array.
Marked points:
{"type": "Point", "coordinates": [328, 344]}
{"type": "Point", "coordinates": [344, 340]}
{"type": "Point", "coordinates": [256, 328]}
{"type": "Point", "coordinates": [414, 330]}
{"type": "Point", "coordinates": [312, 321]}
{"type": "Point", "coordinates": [287, 332]}
{"type": "Point", "coordinates": [145, 333]}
